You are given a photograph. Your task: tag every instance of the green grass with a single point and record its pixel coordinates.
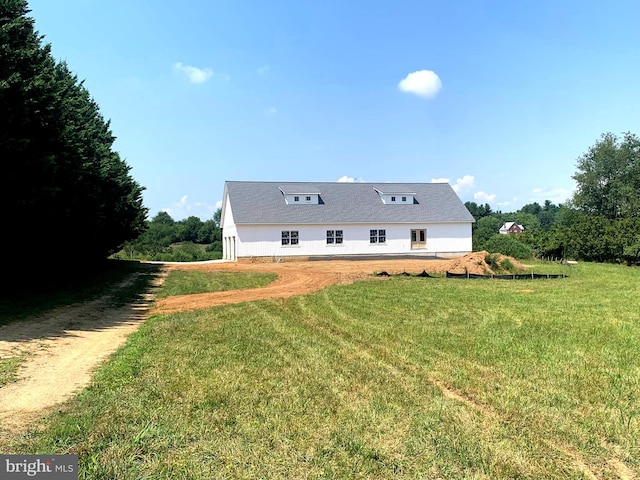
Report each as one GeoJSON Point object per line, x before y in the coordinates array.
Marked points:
{"type": "Point", "coordinates": [406, 378]}
{"type": "Point", "coordinates": [185, 282]}
{"type": "Point", "coordinates": [8, 369]}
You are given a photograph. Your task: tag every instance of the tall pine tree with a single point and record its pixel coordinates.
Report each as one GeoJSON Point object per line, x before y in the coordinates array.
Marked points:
{"type": "Point", "coordinates": [66, 194]}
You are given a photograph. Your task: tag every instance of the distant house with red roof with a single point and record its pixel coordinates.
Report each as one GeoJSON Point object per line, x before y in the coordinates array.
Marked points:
{"type": "Point", "coordinates": [510, 227]}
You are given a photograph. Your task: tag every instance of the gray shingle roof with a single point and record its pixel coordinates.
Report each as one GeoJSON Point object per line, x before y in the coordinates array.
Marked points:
{"type": "Point", "coordinates": [264, 203]}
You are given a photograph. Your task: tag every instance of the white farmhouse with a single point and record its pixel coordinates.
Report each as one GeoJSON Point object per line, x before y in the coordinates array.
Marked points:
{"type": "Point", "coordinates": [272, 219]}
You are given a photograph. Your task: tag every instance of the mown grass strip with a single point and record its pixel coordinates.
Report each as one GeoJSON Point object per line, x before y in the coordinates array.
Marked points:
{"type": "Point", "coordinates": [186, 282]}
{"type": "Point", "coordinates": [407, 378]}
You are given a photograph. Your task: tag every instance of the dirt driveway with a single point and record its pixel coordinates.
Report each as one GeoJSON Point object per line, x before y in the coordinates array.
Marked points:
{"type": "Point", "coordinates": [62, 348]}
{"type": "Point", "coordinates": [296, 278]}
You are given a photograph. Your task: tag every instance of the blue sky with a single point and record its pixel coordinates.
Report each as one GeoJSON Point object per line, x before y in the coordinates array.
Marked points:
{"type": "Point", "coordinates": [500, 98]}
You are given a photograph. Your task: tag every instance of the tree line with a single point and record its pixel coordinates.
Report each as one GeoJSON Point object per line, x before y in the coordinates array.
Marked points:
{"type": "Point", "coordinates": [168, 240]}
{"type": "Point", "coordinates": [601, 222]}
{"type": "Point", "coordinates": [67, 195]}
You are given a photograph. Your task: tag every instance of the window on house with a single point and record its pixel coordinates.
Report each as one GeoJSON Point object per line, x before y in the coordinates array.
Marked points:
{"type": "Point", "coordinates": [393, 199]}
{"type": "Point", "coordinates": [308, 199]}
{"type": "Point", "coordinates": [404, 199]}
{"type": "Point", "coordinates": [290, 237]}
{"type": "Point", "coordinates": [334, 237]}
{"type": "Point", "coordinates": [296, 199]}
{"type": "Point", "coordinates": [377, 236]}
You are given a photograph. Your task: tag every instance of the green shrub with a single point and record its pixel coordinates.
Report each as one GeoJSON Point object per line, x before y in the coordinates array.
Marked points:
{"type": "Point", "coordinates": [163, 257]}
{"type": "Point", "coordinates": [508, 245]}
{"type": "Point", "coordinates": [506, 265]}
{"type": "Point", "coordinates": [183, 255]}
{"type": "Point", "coordinates": [216, 246]}
{"type": "Point", "coordinates": [499, 265]}
{"type": "Point", "coordinates": [492, 261]}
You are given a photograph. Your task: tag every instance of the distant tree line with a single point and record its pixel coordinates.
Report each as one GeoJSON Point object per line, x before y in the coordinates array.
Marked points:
{"type": "Point", "coordinates": [166, 239]}
{"type": "Point", "coordinates": [601, 222]}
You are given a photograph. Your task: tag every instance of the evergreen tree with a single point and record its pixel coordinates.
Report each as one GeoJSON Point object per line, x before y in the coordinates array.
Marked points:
{"type": "Point", "coordinates": [67, 194]}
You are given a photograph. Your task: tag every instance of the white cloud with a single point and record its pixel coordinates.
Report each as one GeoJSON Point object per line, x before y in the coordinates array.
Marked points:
{"type": "Point", "coordinates": [462, 184]}
{"type": "Point", "coordinates": [270, 112]}
{"type": "Point", "coordinates": [555, 195]}
{"type": "Point", "coordinates": [263, 70]}
{"type": "Point", "coordinates": [346, 179]}
{"type": "Point", "coordinates": [424, 83]}
{"type": "Point", "coordinates": [184, 208]}
{"type": "Point", "coordinates": [193, 74]}
{"type": "Point", "coordinates": [484, 197]}
{"type": "Point", "coordinates": [218, 204]}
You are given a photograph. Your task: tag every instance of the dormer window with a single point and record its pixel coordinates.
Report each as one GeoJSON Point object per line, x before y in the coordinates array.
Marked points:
{"type": "Point", "coordinates": [396, 197]}
{"type": "Point", "coordinates": [294, 194]}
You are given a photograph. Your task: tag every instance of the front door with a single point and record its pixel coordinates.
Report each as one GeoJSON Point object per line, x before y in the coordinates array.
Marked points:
{"type": "Point", "coordinates": [418, 239]}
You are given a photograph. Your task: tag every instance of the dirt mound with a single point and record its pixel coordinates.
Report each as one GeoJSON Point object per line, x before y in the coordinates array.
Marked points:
{"type": "Point", "coordinates": [476, 263]}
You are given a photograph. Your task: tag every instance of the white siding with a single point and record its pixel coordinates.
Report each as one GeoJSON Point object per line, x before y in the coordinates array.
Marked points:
{"type": "Point", "coordinates": [265, 240]}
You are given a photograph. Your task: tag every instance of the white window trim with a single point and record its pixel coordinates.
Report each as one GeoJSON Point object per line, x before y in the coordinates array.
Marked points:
{"type": "Point", "coordinates": [335, 237]}
{"type": "Point", "coordinates": [377, 236]}
{"type": "Point", "coordinates": [289, 239]}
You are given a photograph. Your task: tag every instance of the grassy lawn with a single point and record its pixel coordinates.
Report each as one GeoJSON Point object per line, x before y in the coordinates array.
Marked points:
{"type": "Point", "coordinates": [184, 282]}
{"type": "Point", "coordinates": [406, 378]}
